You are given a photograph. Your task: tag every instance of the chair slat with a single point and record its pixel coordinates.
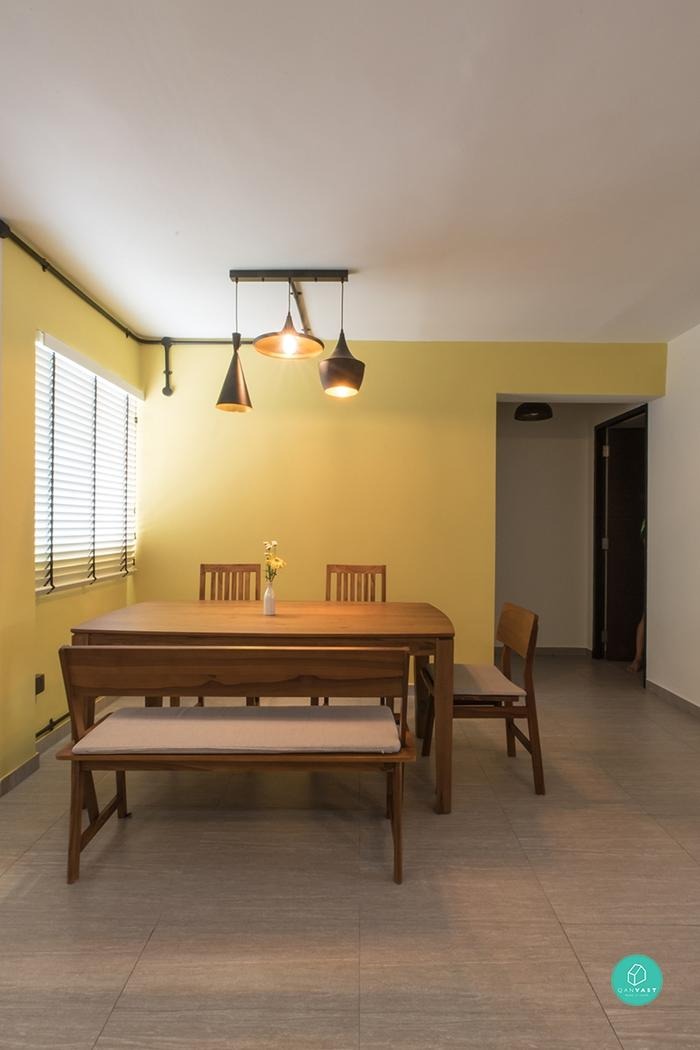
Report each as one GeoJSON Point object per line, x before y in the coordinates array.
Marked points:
{"type": "Point", "coordinates": [355, 583]}
{"type": "Point", "coordinates": [234, 582]}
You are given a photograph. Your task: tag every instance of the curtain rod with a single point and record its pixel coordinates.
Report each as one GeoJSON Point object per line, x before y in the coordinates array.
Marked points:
{"type": "Point", "coordinates": [7, 233]}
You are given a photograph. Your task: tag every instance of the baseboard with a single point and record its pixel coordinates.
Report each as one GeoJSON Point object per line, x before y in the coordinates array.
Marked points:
{"type": "Point", "coordinates": [673, 698]}
{"type": "Point", "coordinates": [7, 783]}
{"type": "Point", "coordinates": [562, 650]}
{"type": "Point", "coordinates": [555, 650]}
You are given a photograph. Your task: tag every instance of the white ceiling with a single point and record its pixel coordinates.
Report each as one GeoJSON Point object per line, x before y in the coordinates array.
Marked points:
{"type": "Point", "coordinates": [492, 169]}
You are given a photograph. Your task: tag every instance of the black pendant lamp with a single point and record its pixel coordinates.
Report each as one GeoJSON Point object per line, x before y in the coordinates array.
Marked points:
{"type": "Point", "coordinates": [341, 373]}
{"type": "Point", "coordinates": [533, 412]}
{"type": "Point", "coordinates": [288, 343]}
{"type": "Point", "coordinates": [234, 396]}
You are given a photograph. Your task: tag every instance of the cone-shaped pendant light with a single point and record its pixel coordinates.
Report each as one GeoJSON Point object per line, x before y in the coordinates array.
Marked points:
{"type": "Point", "coordinates": [341, 373]}
{"type": "Point", "coordinates": [288, 343]}
{"type": "Point", "coordinates": [234, 396]}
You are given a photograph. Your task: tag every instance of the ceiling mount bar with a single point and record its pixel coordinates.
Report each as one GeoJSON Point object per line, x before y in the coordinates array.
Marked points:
{"type": "Point", "coordinates": [289, 275]}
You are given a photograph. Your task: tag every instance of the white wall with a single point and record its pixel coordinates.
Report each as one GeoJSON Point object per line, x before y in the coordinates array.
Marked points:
{"type": "Point", "coordinates": [544, 518]}
{"type": "Point", "coordinates": [673, 543]}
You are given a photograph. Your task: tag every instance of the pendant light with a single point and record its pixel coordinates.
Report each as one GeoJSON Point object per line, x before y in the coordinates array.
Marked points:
{"type": "Point", "coordinates": [533, 412]}
{"type": "Point", "coordinates": [341, 373]}
{"type": "Point", "coordinates": [234, 396]}
{"type": "Point", "coordinates": [288, 343]}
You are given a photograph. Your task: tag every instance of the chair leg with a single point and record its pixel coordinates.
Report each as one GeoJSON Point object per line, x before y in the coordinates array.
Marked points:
{"type": "Point", "coordinates": [396, 813]}
{"type": "Point", "coordinates": [174, 701]}
{"type": "Point", "coordinates": [535, 751]}
{"type": "Point", "coordinates": [200, 701]}
{"type": "Point", "coordinates": [75, 821]}
{"type": "Point", "coordinates": [252, 701]}
{"type": "Point", "coordinates": [389, 788]}
{"type": "Point", "coordinates": [314, 701]}
{"type": "Point", "coordinates": [428, 729]}
{"type": "Point", "coordinates": [122, 810]}
{"type": "Point", "coordinates": [510, 738]}
{"type": "Point", "coordinates": [90, 795]}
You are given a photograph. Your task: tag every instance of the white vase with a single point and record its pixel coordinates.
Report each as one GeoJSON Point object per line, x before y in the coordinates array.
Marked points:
{"type": "Point", "coordinates": [269, 601]}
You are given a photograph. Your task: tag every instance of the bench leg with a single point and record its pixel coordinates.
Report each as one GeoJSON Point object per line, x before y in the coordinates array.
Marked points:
{"type": "Point", "coordinates": [75, 821]}
{"type": "Point", "coordinates": [122, 810]}
{"type": "Point", "coordinates": [396, 776]}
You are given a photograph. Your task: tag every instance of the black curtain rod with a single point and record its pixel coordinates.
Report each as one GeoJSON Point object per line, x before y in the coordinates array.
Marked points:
{"type": "Point", "coordinates": [6, 233]}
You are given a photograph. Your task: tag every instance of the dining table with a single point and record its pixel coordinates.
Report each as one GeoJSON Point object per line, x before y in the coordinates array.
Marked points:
{"type": "Point", "coordinates": [421, 628]}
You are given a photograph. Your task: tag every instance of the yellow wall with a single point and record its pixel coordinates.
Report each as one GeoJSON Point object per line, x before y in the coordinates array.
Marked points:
{"type": "Point", "coordinates": [405, 473]}
{"type": "Point", "coordinates": [32, 629]}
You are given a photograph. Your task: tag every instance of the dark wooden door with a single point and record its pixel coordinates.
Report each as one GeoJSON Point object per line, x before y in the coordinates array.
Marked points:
{"type": "Point", "coordinates": [625, 582]}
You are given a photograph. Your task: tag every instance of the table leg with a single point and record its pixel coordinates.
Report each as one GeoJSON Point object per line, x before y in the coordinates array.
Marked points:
{"type": "Point", "coordinates": [421, 694]}
{"type": "Point", "coordinates": [154, 701]}
{"type": "Point", "coordinates": [443, 694]}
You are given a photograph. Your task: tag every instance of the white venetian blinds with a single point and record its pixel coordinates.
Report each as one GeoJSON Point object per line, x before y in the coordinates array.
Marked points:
{"type": "Point", "coordinates": [85, 469]}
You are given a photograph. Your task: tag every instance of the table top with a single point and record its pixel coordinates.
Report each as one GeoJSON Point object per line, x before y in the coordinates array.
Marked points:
{"type": "Point", "coordinates": [292, 619]}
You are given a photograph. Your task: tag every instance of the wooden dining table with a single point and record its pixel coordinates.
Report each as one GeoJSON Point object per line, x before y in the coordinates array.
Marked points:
{"type": "Point", "coordinates": [420, 627]}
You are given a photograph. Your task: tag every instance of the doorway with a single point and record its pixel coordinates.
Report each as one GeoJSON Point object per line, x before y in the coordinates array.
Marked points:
{"type": "Point", "coordinates": [619, 531]}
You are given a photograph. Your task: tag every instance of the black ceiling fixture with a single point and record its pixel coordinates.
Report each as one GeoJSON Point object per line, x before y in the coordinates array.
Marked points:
{"type": "Point", "coordinates": [341, 373]}
{"type": "Point", "coordinates": [533, 412]}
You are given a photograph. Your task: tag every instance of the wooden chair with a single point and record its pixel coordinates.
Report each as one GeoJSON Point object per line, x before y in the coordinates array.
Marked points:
{"type": "Point", "coordinates": [482, 691]}
{"type": "Point", "coordinates": [230, 738]}
{"type": "Point", "coordinates": [239, 581]}
{"type": "Point", "coordinates": [223, 583]}
{"type": "Point", "coordinates": [354, 583]}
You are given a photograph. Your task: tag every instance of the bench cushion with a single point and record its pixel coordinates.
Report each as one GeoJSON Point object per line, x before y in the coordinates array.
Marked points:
{"type": "Point", "coordinates": [241, 730]}
{"type": "Point", "coordinates": [482, 680]}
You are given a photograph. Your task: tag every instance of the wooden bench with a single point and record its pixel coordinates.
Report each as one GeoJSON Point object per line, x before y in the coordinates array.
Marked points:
{"type": "Point", "coordinates": [230, 738]}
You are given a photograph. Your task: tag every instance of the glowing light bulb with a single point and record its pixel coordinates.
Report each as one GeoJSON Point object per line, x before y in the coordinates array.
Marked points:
{"type": "Point", "coordinates": [341, 391]}
{"type": "Point", "coordinates": [289, 344]}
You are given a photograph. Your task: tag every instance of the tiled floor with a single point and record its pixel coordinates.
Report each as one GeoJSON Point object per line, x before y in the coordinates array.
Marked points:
{"type": "Point", "coordinates": [258, 912]}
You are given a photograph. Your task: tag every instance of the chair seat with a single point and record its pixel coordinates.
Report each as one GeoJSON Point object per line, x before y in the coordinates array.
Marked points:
{"type": "Point", "coordinates": [481, 680]}
{"type": "Point", "coordinates": [239, 730]}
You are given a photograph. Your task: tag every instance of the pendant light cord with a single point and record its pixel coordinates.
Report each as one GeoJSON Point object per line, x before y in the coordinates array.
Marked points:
{"type": "Point", "coordinates": [342, 303]}
{"type": "Point", "coordinates": [236, 302]}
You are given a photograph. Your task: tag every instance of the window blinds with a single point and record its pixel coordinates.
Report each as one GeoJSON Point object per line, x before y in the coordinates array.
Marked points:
{"type": "Point", "coordinates": [85, 470]}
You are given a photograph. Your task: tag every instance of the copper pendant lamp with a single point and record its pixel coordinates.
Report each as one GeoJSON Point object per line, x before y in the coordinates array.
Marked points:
{"type": "Point", "coordinates": [341, 373]}
{"type": "Point", "coordinates": [288, 343]}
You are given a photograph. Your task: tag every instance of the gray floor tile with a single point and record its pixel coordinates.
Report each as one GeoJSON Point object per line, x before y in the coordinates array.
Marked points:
{"type": "Point", "coordinates": [258, 912]}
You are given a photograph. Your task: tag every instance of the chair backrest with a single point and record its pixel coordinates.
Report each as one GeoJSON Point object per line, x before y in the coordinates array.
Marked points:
{"type": "Point", "coordinates": [517, 630]}
{"type": "Point", "coordinates": [355, 583]}
{"type": "Point", "coordinates": [90, 671]}
{"type": "Point", "coordinates": [223, 583]}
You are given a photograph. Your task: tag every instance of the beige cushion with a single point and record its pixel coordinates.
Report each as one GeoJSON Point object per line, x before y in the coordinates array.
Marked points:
{"type": "Point", "coordinates": [240, 730]}
{"type": "Point", "coordinates": [482, 680]}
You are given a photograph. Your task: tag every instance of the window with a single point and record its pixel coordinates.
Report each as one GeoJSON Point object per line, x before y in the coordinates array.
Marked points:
{"type": "Point", "coordinates": [85, 473]}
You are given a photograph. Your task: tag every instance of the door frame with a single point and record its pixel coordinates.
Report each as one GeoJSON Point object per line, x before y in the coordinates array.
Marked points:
{"type": "Point", "coordinates": [599, 521]}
